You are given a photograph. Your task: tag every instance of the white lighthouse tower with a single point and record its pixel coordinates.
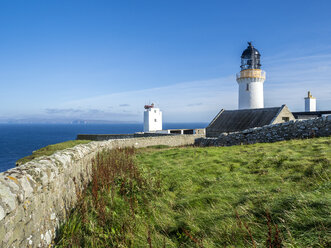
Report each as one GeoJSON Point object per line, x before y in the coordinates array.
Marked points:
{"type": "Point", "coordinates": [250, 79]}
{"type": "Point", "coordinates": [152, 118]}
{"type": "Point", "coordinates": [310, 103]}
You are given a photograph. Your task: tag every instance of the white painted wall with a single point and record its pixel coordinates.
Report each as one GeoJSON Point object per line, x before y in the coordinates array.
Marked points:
{"type": "Point", "coordinates": [310, 104]}
{"type": "Point", "coordinates": [152, 120]}
{"type": "Point", "coordinates": [251, 97]}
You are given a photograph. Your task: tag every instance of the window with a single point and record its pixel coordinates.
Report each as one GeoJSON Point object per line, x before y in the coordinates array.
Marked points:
{"type": "Point", "coordinates": [247, 87]}
{"type": "Point", "coordinates": [285, 119]}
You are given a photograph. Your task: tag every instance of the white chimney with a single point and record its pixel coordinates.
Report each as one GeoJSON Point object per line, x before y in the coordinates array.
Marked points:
{"type": "Point", "coordinates": [310, 103]}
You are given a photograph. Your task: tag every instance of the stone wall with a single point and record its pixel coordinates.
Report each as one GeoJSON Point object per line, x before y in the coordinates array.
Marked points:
{"type": "Point", "coordinates": [101, 137]}
{"type": "Point", "coordinates": [35, 198]}
{"type": "Point", "coordinates": [319, 127]}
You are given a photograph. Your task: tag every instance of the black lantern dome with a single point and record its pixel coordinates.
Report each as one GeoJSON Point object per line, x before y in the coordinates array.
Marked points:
{"type": "Point", "coordinates": [250, 58]}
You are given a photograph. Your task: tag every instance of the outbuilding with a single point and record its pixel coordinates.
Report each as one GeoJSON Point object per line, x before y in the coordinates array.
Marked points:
{"type": "Point", "coordinates": [227, 121]}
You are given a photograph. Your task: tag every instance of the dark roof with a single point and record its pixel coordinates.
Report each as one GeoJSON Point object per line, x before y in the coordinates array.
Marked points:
{"type": "Point", "coordinates": [250, 58]}
{"type": "Point", "coordinates": [237, 120]}
{"type": "Point", "coordinates": [314, 113]}
{"type": "Point", "coordinates": [250, 52]}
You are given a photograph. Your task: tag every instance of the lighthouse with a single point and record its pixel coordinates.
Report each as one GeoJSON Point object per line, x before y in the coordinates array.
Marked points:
{"type": "Point", "coordinates": [152, 118]}
{"type": "Point", "coordinates": [250, 79]}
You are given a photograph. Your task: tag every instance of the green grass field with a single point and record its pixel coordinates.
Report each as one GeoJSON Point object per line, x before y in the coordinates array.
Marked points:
{"type": "Point", "coordinates": [262, 195]}
{"type": "Point", "coordinates": [49, 150]}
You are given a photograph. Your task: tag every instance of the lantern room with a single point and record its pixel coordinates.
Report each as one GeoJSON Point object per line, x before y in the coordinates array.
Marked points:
{"type": "Point", "coordinates": [250, 58]}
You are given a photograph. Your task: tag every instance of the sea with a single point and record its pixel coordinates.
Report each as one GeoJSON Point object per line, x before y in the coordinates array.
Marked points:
{"type": "Point", "coordinates": [20, 140]}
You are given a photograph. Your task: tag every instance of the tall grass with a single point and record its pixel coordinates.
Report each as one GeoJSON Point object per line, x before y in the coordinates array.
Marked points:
{"type": "Point", "coordinates": [262, 195]}
{"type": "Point", "coordinates": [113, 210]}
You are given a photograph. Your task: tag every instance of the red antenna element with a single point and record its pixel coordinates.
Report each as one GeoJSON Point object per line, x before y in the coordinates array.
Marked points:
{"type": "Point", "coordinates": [149, 106]}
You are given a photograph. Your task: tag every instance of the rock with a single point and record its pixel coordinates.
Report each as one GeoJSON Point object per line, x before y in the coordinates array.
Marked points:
{"type": "Point", "coordinates": [7, 197]}
{"type": "Point", "coordinates": [2, 213]}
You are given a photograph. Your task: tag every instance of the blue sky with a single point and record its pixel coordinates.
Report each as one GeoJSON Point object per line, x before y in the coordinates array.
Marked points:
{"type": "Point", "coordinates": [105, 59]}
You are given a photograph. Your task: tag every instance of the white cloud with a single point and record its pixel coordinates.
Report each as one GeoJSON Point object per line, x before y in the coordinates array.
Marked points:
{"type": "Point", "coordinates": [183, 102]}
{"type": "Point", "coordinates": [288, 80]}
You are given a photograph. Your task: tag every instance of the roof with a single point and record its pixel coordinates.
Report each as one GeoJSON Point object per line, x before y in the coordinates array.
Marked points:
{"type": "Point", "coordinates": [237, 120]}
{"type": "Point", "coordinates": [250, 58]}
{"type": "Point", "coordinates": [311, 113]}
{"type": "Point", "coordinates": [250, 51]}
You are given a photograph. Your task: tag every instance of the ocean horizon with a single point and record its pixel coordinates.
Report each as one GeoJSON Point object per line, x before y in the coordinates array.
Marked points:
{"type": "Point", "coordinates": [20, 140]}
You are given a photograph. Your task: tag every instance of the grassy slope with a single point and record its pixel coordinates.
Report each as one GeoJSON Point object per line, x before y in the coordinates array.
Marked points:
{"type": "Point", "coordinates": [49, 150]}
{"type": "Point", "coordinates": [204, 187]}
{"type": "Point", "coordinates": [222, 196]}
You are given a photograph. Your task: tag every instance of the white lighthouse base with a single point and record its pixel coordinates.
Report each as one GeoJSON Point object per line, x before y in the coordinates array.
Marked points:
{"type": "Point", "coordinates": [250, 93]}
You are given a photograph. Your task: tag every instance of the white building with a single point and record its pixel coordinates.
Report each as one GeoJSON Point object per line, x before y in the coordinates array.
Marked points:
{"type": "Point", "coordinates": [250, 80]}
{"type": "Point", "coordinates": [152, 119]}
{"type": "Point", "coordinates": [310, 103]}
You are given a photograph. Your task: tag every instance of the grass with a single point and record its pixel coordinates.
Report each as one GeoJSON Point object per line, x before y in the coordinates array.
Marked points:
{"type": "Point", "coordinates": [49, 150]}
{"type": "Point", "coordinates": [262, 195]}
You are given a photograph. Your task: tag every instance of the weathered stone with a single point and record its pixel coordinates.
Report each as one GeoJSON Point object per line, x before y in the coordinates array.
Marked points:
{"type": "Point", "coordinates": [48, 237]}
{"type": "Point", "coordinates": [14, 186]}
{"type": "Point", "coordinates": [28, 190]}
{"type": "Point", "coordinates": [7, 197]}
{"type": "Point", "coordinates": [53, 216]}
{"type": "Point", "coordinates": [35, 197]}
{"type": "Point", "coordinates": [317, 127]}
{"type": "Point", "coordinates": [2, 213]}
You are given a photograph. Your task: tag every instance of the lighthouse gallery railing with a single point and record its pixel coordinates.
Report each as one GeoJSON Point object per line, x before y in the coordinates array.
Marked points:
{"type": "Point", "coordinates": [251, 73]}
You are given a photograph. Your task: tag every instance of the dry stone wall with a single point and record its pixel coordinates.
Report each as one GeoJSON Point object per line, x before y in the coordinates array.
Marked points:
{"type": "Point", "coordinates": [318, 127]}
{"type": "Point", "coordinates": [101, 137]}
{"type": "Point", "coordinates": [36, 197]}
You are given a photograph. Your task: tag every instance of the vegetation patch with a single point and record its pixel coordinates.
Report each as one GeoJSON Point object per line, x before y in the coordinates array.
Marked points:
{"type": "Point", "coordinates": [158, 147]}
{"type": "Point", "coordinates": [49, 150]}
{"type": "Point", "coordinates": [262, 195]}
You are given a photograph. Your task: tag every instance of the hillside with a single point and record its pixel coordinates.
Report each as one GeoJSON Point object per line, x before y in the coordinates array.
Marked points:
{"type": "Point", "coordinates": [262, 195]}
